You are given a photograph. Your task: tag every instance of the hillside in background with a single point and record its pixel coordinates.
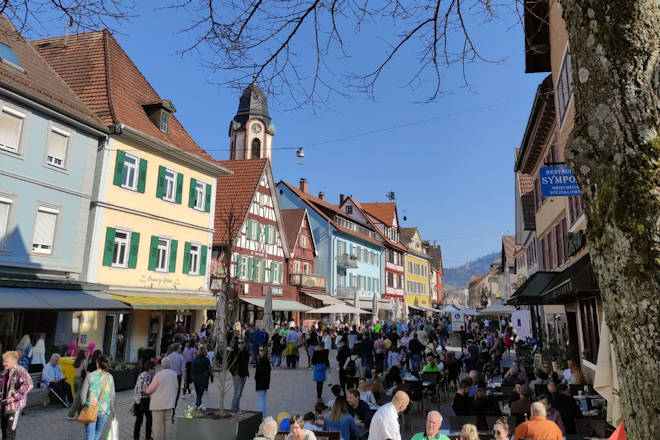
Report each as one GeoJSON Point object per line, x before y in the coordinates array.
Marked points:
{"type": "Point", "coordinates": [459, 276]}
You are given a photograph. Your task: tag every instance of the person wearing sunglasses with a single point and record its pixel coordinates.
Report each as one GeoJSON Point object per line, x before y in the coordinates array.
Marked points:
{"type": "Point", "coordinates": [501, 430]}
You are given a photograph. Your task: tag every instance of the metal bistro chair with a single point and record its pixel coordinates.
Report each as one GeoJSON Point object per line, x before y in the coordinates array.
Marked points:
{"type": "Point", "coordinates": [416, 392]}
{"type": "Point", "coordinates": [430, 384]}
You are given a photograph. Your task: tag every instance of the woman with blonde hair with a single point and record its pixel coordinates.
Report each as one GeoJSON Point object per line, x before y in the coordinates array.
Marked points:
{"type": "Point", "coordinates": [501, 430]}
{"type": "Point", "coordinates": [469, 432]}
{"type": "Point", "coordinates": [267, 429]}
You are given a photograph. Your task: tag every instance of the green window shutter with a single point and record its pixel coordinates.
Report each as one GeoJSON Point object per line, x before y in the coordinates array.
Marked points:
{"type": "Point", "coordinates": [109, 246]}
{"type": "Point", "coordinates": [249, 268]}
{"type": "Point", "coordinates": [179, 187]}
{"type": "Point", "coordinates": [191, 193]}
{"type": "Point", "coordinates": [255, 269]}
{"type": "Point", "coordinates": [281, 272]}
{"type": "Point", "coordinates": [153, 252]}
{"type": "Point", "coordinates": [258, 234]}
{"type": "Point", "coordinates": [173, 245]}
{"type": "Point", "coordinates": [161, 182]}
{"type": "Point", "coordinates": [239, 267]}
{"type": "Point", "coordinates": [142, 175]}
{"type": "Point", "coordinates": [263, 271]}
{"type": "Point", "coordinates": [119, 167]}
{"type": "Point", "coordinates": [202, 260]}
{"type": "Point", "coordinates": [249, 229]}
{"type": "Point", "coordinates": [273, 266]}
{"type": "Point", "coordinates": [134, 247]}
{"type": "Point", "coordinates": [207, 199]}
{"type": "Point", "coordinates": [186, 258]}
{"type": "Point", "coordinates": [267, 233]}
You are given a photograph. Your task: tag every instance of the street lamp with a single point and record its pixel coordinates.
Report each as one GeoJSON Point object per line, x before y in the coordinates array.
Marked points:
{"type": "Point", "coordinates": [300, 156]}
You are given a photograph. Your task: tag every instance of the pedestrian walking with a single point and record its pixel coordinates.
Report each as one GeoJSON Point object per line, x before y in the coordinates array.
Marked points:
{"type": "Point", "coordinates": [276, 350]}
{"type": "Point", "coordinates": [188, 356]}
{"type": "Point", "coordinates": [201, 372]}
{"type": "Point", "coordinates": [291, 352]}
{"type": "Point", "coordinates": [80, 366]}
{"type": "Point", "coordinates": [162, 391]}
{"type": "Point", "coordinates": [262, 379]}
{"type": "Point", "coordinates": [353, 368]}
{"type": "Point", "coordinates": [141, 401]}
{"type": "Point", "coordinates": [321, 363]}
{"type": "Point", "coordinates": [15, 385]}
{"type": "Point", "coordinates": [239, 360]}
{"type": "Point", "coordinates": [177, 364]}
{"type": "Point", "coordinates": [311, 342]}
{"type": "Point", "coordinates": [343, 353]}
{"type": "Point", "coordinates": [99, 389]}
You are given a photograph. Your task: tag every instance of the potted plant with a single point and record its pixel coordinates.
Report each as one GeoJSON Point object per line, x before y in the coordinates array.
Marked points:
{"type": "Point", "coordinates": [124, 375]}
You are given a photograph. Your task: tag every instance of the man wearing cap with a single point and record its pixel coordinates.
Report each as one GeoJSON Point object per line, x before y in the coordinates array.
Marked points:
{"type": "Point", "coordinates": [52, 377]}
{"type": "Point", "coordinates": [385, 423]}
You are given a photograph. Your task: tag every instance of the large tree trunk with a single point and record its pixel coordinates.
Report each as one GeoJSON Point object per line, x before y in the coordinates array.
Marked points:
{"type": "Point", "coordinates": [614, 151]}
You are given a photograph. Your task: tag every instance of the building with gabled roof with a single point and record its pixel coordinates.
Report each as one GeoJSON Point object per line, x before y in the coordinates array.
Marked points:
{"type": "Point", "coordinates": [153, 200]}
{"type": "Point", "coordinates": [417, 270]}
{"type": "Point", "coordinates": [49, 140]}
{"type": "Point", "coordinates": [350, 251]}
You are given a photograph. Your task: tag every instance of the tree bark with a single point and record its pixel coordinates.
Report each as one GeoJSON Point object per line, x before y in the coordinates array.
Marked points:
{"type": "Point", "coordinates": [614, 152]}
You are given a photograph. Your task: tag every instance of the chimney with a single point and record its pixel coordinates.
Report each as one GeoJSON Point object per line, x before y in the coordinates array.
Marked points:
{"type": "Point", "coordinates": [321, 195]}
{"type": "Point", "coordinates": [303, 185]}
{"type": "Point", "coordinates": [341, 199]}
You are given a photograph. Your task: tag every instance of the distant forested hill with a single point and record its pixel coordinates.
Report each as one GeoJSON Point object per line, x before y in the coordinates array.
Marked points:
{"type": "Point", "coordinates": [459, 276]}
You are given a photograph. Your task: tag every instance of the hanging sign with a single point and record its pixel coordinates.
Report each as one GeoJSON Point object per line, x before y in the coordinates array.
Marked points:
{"type": "Point", "coordinates": [557, 181]}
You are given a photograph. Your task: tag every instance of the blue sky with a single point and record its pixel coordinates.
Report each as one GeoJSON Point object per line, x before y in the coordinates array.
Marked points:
{"type": "Point", "coordinates": [453, 176]}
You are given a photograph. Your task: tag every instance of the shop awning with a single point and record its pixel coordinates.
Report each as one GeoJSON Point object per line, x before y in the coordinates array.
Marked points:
{"type": "Point", "coordinates": [368, 305]}
{"type": "Point", "coordinates": [530, 291]}
{"type": "Point", "coordinates": [20, 298]}
{"type": "Point", "coordinates": [326, 299]}
{"type": "Point", "coordinates": [340, 308]}
{"type": "Point", "coordinates": [571, 283]}
{"type": "Point", "coordinates": [496, 310]}
{"type": "Point", "coordinates": [165, 301]}
{"type": "Point", "coordinates": [422, 308]}
{"type": "Point", "coordinates": [280, 305]}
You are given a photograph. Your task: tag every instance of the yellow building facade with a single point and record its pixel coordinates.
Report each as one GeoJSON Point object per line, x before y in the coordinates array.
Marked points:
{"type": "Point", "coordinates": [417, 270]}
{"type": "Point", "coordinates": [150, 244]}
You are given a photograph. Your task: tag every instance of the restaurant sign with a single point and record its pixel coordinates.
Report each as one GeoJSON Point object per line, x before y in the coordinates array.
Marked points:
{"type": "Point", "coordinates": [558, 181]}
{"type": "Point", "coordinates": [275, 291]}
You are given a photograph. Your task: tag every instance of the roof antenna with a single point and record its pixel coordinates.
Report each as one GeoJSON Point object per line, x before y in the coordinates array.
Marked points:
{"type": "Point", "coordinates": [68, 26]}
{"type": "Point", "coordinates": [254, 73]}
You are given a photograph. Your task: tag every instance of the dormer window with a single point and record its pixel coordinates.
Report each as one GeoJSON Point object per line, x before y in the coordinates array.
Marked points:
{"type": "Point", "coordinates": [160, 112]}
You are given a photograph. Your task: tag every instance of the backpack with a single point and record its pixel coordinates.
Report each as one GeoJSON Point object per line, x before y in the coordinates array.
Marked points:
{"type": "Point", "coordinates": [350, 367]}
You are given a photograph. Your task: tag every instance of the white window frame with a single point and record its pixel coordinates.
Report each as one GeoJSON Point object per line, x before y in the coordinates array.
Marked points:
{"type": "Point", "coordinates": [4, 223]}
{"type": "Point", "coordinates": [127, 248]}
{"type": "Point", "coordinates": [136, 172]}
{"type": "Point", "coordinates": [303, 242]}
{"type": "Point", "coordinates": [41, 250]}
{"type": "Point", "coordinates": [166, 248]}
{"type": "Point", "coordinates": [349, 210]}
{"type": "Point", "coordinates": [60, 132]}
{"type": "Point", "coordinates": [565, 68]}
{"type": "Point", "coordinates": [196, 257]}
{"type": "Point", "coordinates": [15, 113]}
{"type": "Point", "coordinates": [276, 275]}
{"type": "Point", "coordinates": [306, 268]}
{"type": "Point", "coordinates": [200, 195]}
{"type": "Point", "coordinates": [166, 179]}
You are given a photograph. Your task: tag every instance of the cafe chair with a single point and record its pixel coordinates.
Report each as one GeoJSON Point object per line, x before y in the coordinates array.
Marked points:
{"type": "Point", "coordinates": [456, 422]}
{"type": "Point", "coordinates": [590, 427]}
{"type": "Point", "coordinates": [430, 384]}
{"type": "Point", "coordinates": [416, 392]}
{"type": "Point", "coordinates": [540, 389]}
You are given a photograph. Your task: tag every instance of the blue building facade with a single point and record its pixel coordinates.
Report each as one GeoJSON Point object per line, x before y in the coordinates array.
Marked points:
{"type": "Point", "coordinates": [349, 254]}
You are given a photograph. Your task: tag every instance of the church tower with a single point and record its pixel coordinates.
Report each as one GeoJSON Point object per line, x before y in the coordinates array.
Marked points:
{"type": "Point", "coordinates": [251, 131]}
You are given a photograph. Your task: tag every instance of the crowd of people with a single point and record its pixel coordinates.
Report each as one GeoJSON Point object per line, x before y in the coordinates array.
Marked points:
{"type": "Point", "coordinates": [378, 365]}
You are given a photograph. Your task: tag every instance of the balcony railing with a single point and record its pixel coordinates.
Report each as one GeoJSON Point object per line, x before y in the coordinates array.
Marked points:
{"type": "Point", "coordinates": [346, 292]}
{"type": "Point", "coordinates": [347, 260]}
{"type": "Point", "coordinates": [307, 280]}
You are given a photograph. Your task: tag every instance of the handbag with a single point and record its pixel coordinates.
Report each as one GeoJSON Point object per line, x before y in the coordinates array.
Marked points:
{"type": "Point", "coordinates": [89, 413]}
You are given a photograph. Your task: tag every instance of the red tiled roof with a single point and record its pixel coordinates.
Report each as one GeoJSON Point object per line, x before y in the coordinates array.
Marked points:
{"type": "Point", "coordinates": [385, 212]}
{"type": "Point", "coordinates": [234, 194]}
{"type": "Point", "coordinates": [360, 206]}
{"type": "Point", "coordinates": [292, 220]}
{"type": "Point", "coordinates": [96, 67]}
{"type": "Point", "coordinates": [39, 81]}
{"type": "Point", "coordinates": [317, 204]}
{"type": "Point", "coordinates": [509, 248]}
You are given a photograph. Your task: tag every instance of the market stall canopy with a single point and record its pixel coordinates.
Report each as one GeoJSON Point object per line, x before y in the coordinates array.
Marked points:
{"type": "Point", "coordinates": [469, 312]}
{"type": "Point", "coordinates": [20, 298]}
{"type": "Point", "coordinates": [496, 310]}
{"type": "Point", "coordinates": [340, 308]}
{"type": "Point", "coordinates": [280, 305]}
{"type": "Point", "coordinates": [450, 309]}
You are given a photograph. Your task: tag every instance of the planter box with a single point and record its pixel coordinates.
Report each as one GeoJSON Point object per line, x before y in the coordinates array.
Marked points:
{"type": "Point", "coordinates": [124, 379]}
{"type": "Point", "coordinates": [237, 426]}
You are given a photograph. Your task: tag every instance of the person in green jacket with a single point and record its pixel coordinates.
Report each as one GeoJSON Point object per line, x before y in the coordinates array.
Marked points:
{"type": "Point", "coordinates": [431, 366]}
{"type": "Point", "coordinates": [432, 432]}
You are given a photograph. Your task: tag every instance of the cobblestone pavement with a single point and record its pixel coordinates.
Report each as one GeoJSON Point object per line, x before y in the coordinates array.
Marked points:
{"type": "Point", "coordinates": [292, 391]}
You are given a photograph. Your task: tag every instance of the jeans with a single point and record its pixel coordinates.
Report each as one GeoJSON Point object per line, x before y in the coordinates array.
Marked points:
{"type": "Point", "coordinates": [162, 429]}
{"type": "Point", "coordinates": [276, 358]}
{"type": "Point", "coordinates": [442, 342]}
{"type": "Point", "coordinates": [200, 387]}
{"type": "Point", "coordinates": [415, 361]}
{"type": "Point", "coordinates": [239, 383]}
{"type": "Point", "coordinates": [366, 366]}
{"type": "Point", "coordinates": [310, 352]}
{"type": "Point", "coordinates": [142, 412]}
{"type": "Point", "coordinates": [261, 402]}
{"type": "Point", "coordinates": [76, 406]}
{"type": "Point", "coordinates": [93, 430]}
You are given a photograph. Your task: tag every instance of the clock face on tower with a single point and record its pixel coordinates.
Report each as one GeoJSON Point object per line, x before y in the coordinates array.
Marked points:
{"type": "Point", "coordinates": [256, 128]}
